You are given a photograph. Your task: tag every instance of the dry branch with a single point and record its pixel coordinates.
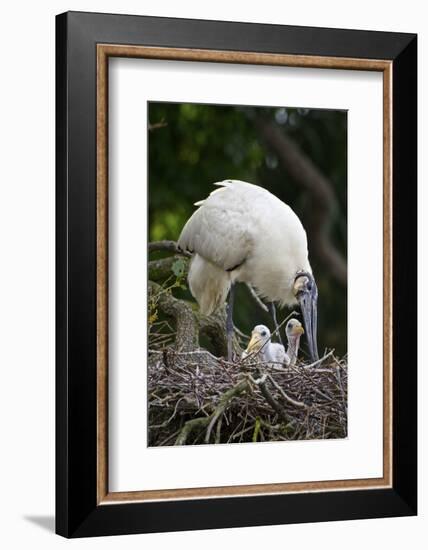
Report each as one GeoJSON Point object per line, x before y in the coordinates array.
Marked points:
{"type": "Point", "coordinates": [166, 246]}
{"type": "Point", "coordinates": [157, 125]}
{"type": "Point", "coordinates": [205, 399]}
{"type": "Point", "coordinates": [209, 422]}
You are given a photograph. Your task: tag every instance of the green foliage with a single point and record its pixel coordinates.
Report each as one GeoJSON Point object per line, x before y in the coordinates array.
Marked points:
{"type": "Point", "coordinates": [178, 267]}
{"type": "Point", "coordinates": [257, 425]}
{"type": "Point", "coordinates": [201, 144]}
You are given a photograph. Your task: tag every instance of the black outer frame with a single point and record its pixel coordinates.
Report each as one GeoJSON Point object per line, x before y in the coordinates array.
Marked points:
{"type": "Point", "coordinates": [77, 513]}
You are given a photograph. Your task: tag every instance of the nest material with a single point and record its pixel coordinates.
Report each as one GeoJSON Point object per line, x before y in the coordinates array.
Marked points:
{"type": "Point", "coordinates": [196, 398]}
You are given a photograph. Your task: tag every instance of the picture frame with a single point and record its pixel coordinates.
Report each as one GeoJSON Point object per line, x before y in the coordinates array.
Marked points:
{"type": "Point", "coordinates": [84, 44]}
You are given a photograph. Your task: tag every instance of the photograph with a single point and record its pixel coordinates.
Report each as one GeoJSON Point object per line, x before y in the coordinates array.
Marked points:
{"type": "Point", "coordinates": [247, 274]}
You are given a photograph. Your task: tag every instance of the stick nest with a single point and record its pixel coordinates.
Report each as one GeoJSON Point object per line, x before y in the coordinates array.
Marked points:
{"type": "Point", "coordinates": [197, 398]}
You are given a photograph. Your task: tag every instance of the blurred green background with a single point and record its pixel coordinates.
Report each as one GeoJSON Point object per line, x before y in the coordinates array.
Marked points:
{"type": "Point", "coordinates": [193, 145]}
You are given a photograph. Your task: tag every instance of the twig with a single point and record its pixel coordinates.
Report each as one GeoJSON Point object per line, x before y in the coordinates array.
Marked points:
{"type": "Point", "coordinates": [157, 125]}
{"type": "Point", "coordinates": [319, 360]}
{"type": "Point", "coordinates": [169, 419]}
{"type": "Point", "coordinates": [256, 298]}
{"type": "Point", "coordinates": [209, 421]}
{"type": "Point", "coordinates": [285, 396]}
{"type": "Point", "coordinates": [269, 397]}
{"type": "Point", "coordinates": [218, 432]}
{"type": "Point", "coordinates": [224, 401]}
{"type": "Point", "coordinates": [168, 246]}
{"type": "Point", "coordinates": [189, 426]}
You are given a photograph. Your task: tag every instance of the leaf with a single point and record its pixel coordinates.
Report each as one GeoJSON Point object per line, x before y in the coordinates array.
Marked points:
{"type": "Point", "coordinates": [178, 267]}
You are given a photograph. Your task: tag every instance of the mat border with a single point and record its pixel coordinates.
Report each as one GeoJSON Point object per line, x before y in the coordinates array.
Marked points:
{"type": "Point", "coordinates": [104, 53]}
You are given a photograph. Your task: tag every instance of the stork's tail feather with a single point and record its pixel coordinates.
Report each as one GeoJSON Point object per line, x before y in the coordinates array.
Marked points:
{"type": "Point", "coordinates": [208, 284]}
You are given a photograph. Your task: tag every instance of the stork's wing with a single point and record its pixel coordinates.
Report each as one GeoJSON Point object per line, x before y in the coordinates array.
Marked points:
{"type": "Point", "coordinates": [219, 230]}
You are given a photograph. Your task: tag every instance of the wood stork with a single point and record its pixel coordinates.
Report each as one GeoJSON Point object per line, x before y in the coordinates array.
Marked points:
{"type": "Point", "coordinates": [241, 232]}
{"type": "Point", "coordinates": [268, 351]}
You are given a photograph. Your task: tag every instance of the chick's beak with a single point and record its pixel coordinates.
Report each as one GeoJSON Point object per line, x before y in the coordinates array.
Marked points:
{"type": "Point", "coordinates": [253, 344]}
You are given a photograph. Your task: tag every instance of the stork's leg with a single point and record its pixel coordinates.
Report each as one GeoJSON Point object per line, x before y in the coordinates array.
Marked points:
{"type": "Point", "coordinates": [229, 322]}
{"type": "Point", "coordinates": [272, 311]}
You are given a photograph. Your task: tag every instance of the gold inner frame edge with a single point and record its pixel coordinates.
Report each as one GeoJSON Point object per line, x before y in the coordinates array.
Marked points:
{"type": "Point", "coordinates": [104, 51]}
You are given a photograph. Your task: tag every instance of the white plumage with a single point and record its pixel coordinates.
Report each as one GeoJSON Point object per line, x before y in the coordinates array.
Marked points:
{"type": "Point", "coordinates": [262, 348]}
{"type": "Point", "coordinates": [242, 232]}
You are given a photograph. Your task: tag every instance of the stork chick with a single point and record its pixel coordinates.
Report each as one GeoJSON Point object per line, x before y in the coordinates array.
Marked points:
{"type": "Point", "coordinates": [261, 346]}
{"type": "Point", "coordinates": [293, 331]}
{"type": "Point", "coordinates": [272, 352]}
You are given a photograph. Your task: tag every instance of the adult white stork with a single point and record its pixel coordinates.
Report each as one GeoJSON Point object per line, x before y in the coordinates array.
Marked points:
{"type": "Point", "coordinates": [260, 344]}
{"type": "Point", "coordinates": [241, 232]}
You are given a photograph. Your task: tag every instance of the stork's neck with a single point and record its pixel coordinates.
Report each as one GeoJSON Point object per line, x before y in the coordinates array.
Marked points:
{"type": "Point", "coordinates": [293, 349]}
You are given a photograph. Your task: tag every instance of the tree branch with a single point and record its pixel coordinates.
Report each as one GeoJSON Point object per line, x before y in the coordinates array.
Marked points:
{"type": "Point", "coordinates": [159, 270]}
{"type": "Point", "coordinates": [187, 331]}
{"type": "Point", "coordinates": [157, 125]}
{"type": "Point", "coordinates": [272, 401]}
{"type": "Point", "coordinates": [190, 323]}
{"type": "Point", "coordinates": [168, 246]}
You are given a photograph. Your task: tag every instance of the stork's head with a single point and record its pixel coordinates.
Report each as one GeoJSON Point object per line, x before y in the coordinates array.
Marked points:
{"type": "Point", "coordinates": [259, 336]}
{"type": "Point", "coordinates": [306, 293]}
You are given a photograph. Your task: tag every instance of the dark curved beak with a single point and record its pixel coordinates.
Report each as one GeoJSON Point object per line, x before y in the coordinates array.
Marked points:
{"type": "Point", "coordinates": [308, 300]}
